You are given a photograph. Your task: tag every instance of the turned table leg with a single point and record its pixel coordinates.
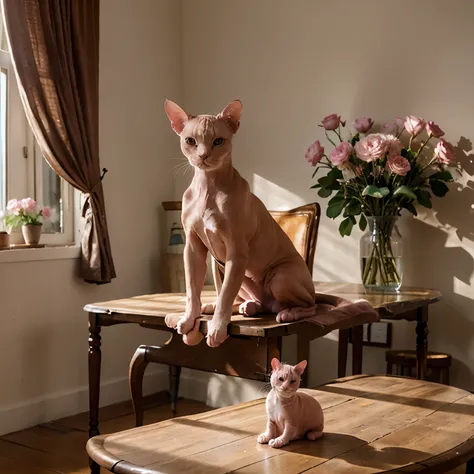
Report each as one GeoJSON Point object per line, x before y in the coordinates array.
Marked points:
{"type": "Point", "coordinates": [94, 382]}
{"type": "Point", "coordinates": [421, 341]}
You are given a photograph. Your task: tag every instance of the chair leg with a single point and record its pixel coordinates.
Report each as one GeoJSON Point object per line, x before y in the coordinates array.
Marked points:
{"type": "Point", "coordinates": [389, 368]}
{"type": "Point", "coordinates": [357, 341]}
{"type": "Point", "coordinates": [342, 352]}
{"type": "Point", "coordinates": [470, 467]}
{"type": "Point", "coordinates": [138, 365]}
{"type": "Point", "coordinates": [174, 372]}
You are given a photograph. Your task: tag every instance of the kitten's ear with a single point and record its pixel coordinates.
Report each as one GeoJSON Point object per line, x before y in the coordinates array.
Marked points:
{"type": "Point", "coordinates": [178, 117]}
{"type": "Point", "coordinates": [299, 368]}
{"type": "Point", "coordinates": [231, 115]}
{"type": "Point", "coordinates": [275, 364]}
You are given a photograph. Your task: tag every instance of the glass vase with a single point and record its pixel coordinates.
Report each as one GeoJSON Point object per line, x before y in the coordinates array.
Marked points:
{"type": "Point", "coordinates": [381, 254]}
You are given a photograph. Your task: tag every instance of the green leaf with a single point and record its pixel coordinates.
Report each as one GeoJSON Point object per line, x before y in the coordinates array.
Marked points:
{"type": "Point", "coordinates": [442, 176]}
{"type": "Point", "coordinates": [374, 191]}
{"type": "Point", "coordinates": [410, 207]}
{"type": "Point", "coordinates": [424, 198]}
{"type": "Point", "coordinates": [353, 220]}
{"type": "Point", "coordinates": [315, 186]}
{"type": "Point", "coordinates": [362, 223]}
{"type": "Point", "coordinates": [355, 139]}
{"type": "Point", "coordinates": [335, 209]}
{"type": "Point", "coordinates": [335, 174]}
{"type": "Point", "coordinates": [337, 198]}
{"type": "Point", "coordinates": [353, 209]}
{"type": "Point", "coordinates": [345, 228]}
{"type": "Point", "coordinates": [324, 192]}
{"type": "Point", "coordinates": [404, 191]}
{"type": "Point", "coordinates": [325, 181]}
{"type": "Point", "coordinates": [439, 188]}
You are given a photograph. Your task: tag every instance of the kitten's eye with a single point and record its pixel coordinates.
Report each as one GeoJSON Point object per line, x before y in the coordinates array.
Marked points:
{"type": "Point", "coordinates": [292, 381]}
{"type": "Point", "coordinates": [280, 379]}
{"type": "Point", "coordinates": [190, 141]}
{"type": "Point", "coordinates": [218, 142]}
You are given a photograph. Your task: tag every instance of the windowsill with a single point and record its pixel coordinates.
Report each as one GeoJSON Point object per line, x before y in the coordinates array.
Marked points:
{"type": "Point", "coordinates": [45, 253]}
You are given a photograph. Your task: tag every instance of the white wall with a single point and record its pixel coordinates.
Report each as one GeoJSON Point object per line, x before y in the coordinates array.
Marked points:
{"type": "Point", "coordinates": [43, 331]}
{"type": "Point", "coordinates": [291, 63]}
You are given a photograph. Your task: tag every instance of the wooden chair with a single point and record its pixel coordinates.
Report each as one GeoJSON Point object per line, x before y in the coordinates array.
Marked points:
{"type": "Point", "coordinates": [301, 225]}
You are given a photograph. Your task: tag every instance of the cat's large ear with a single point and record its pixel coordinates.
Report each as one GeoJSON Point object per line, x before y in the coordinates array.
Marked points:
{"type": "Point", "coordinates": [299, 368]}
{"type": "Point", "coordinates": [231, 115]}
{"type": "Point", "coordinates": [178, 117]}
{"type": "Point", "coordinates": [275, 364]}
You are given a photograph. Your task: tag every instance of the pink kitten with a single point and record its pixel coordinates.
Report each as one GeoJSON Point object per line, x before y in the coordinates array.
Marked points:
{"type": "Point", "coordinates": [291, 414]}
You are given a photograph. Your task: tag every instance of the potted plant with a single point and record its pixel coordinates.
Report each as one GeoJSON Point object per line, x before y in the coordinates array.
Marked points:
{"type": "Point", "coordinates": [27, 214]}
{"type": "Point", "coordinates": [374, 177]}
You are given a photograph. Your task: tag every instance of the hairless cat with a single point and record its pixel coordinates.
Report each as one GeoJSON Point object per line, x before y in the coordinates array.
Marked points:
{"type": "Point", "coordinates": [262, 271]}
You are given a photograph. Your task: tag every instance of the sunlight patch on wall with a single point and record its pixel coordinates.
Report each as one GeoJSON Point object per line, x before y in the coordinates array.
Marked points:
{"type": "Point", "coordinates": [274, 197]}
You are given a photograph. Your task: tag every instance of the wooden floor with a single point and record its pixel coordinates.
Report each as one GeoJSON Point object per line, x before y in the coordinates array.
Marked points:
{"type": "Point", "coordinates": [59, 447]}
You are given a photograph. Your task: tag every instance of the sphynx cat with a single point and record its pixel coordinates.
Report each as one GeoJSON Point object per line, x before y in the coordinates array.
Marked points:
{"type": "Point", "coordinates": [262, 271]}
{"type": "Point", "coordinates": [291, 414]}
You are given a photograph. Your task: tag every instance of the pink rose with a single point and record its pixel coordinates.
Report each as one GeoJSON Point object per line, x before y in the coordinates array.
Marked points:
{"type": "Point", "coordinates": [28, 204]}
{"type": "Point", "coordinates": [390, 127]}
{"type": "Point", "coordinates": [371, 147]}
{"type": "Point", "coordinates": [46, 212]}
{"type": "Point", "coordinates": [394, 146]}
{"type": "Point", "coordinates": [341, 154]}
{"type": "Point", "coordinates": [14, 206]}
{"type": "Point", "coordinates": [433, 130]}
{"type": "Point", "coordinates": [363, 124]}
{"type": "Point", "coordinates": [314, 153]}
{"type": "Point", "coordinates": [331, 122]}
{"type": "Point", "coordinates": [445, 152]}
{"type": "Point", "coordinates": [414, 125]}
{"type": "Point", "coordinates": [398, 165]}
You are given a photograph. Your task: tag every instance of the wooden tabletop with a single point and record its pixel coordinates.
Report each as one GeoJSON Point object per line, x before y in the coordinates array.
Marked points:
{"type": "Point", "coordinates": [373, 424]}
{"type": "Point", "coordinates": [150, 310]}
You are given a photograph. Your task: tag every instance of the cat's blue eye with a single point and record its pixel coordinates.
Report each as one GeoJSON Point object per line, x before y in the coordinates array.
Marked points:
{"type": "Point", "coordinates": [292, 381]}
{"type": "Point", "coordinates": [280, 379]}
{"type": "Point", "coordinates": [190, 141]}
{"type": "Point", "coordinates": [218, 142]}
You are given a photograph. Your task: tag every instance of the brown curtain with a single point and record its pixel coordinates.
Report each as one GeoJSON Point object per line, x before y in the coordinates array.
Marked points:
{"type": "Point", "coordinates": [55, 49]}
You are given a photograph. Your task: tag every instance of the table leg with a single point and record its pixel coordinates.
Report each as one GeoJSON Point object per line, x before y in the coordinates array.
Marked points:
{"type": "Point", "coordinates": [357, 340]}
{"type": "Point", "coordinates": [470, 467]}
{"type": "Point", "coordinates": [303, 354]}
{"type": "Point", "coordinates": [421, 341]}
{"type": "Point", "coordinates": [95, 357]}
{"type": "Point", "coordinates": [342, 347]}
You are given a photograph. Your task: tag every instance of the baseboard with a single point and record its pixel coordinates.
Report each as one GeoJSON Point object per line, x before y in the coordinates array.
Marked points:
{"type": "Point", "coordinates": [32, 412]}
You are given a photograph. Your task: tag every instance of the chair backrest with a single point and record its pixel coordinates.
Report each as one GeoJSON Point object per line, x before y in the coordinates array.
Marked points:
{"type": "Point", "coordinates": [301, 226]}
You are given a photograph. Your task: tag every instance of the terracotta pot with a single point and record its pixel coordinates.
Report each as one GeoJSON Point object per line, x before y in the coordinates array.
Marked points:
{"type": "Point", "coordinates": [32, 233]}
{"type": "Point", "coordinates": [4, 240]}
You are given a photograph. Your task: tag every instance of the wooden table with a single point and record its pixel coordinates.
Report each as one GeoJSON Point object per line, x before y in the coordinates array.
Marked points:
{"type": "Point", "coordinates": [373, 424]}
{"type": "Point", "coordinates": [253, 342]}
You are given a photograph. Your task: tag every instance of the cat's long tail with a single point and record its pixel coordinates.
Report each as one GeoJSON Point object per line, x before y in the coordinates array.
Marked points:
{"type": "Point", "coordinates": [329, 309]}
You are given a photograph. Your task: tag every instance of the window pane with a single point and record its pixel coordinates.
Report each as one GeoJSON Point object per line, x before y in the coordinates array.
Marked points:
{"type": "Point", "coordinates": [52, 197]}
{"type": "Point", "coordinates": [3, 140]}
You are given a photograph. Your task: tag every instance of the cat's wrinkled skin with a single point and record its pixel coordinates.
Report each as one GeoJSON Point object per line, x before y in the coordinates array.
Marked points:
{"type": "Point", "coordinates": [291, 414]}
{"type": "Point", "coordinates": [262, 271]}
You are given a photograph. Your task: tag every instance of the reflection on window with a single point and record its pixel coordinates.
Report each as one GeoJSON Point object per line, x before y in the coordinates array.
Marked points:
{"type": "Point", "coordinates": [53, 199]}
{"type": "Point", "coordinates": [3, 138]}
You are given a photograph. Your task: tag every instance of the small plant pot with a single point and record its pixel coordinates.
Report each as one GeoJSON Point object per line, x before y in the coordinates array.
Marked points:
{"type": "Point", "coordinates": [32, 233]}
{"type": "Point", "coordinates": [4, 240]}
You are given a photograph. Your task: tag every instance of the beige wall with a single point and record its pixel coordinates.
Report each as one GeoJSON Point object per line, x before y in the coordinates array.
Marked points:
{"type": "Point", "coordinates": [292, 63]}
{"type": "Point", "coordinates": [43, 334]}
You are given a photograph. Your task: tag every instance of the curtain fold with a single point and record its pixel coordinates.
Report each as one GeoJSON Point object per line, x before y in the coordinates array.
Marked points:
{"type": "Point", "coordinates": [55, 50]}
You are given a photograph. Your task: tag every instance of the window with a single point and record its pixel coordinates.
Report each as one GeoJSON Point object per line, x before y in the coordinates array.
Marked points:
{"type": "Point", "coordinates": [23, 171]}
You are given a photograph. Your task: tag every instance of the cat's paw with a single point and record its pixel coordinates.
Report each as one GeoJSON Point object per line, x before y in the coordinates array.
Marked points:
{"type": "Point", "coordinates": [185, 323]}
{"type": "Point", "coordinates": [314, 435]}
{"type": "Point", "coordinates": [264, 438]}
{"type": "Point", "coordinates": [217, 331]}
{"type": "Point", "coordinates": [250, 308]}
{"type": "Point", "coordinates": [278, 442]}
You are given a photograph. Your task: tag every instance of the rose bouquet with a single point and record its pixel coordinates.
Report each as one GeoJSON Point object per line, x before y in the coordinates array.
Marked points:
{"type": "Point", "coordinates": [374, 176]}
{"type": "Point", "coordinates": [25, 212]}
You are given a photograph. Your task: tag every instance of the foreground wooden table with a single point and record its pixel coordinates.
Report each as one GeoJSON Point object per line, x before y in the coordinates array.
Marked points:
{"type": "Point", "coordinates": [373, 424]}
{"type": "Point", "coordinates": [253, 342]}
